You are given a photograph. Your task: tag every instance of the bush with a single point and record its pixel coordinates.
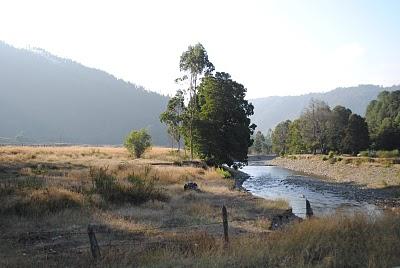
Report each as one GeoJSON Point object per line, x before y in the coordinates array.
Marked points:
{"type": "Point", "coordinates": [132, 190]}
{"type": "Point", "coordinates": [224, 173]}
{"type": "Point", "coordinates": [331, 154]}
{"type": "Point", "coordinates": [364, 154]}
{"type": "Point", "coordinates": [388, 154]}
{"type": "Point", "coordinates": [137, 142]}
{"type": "Point", "coordinates": [324, 158]}
{"type": "Point", "coordinates": [103, 183]}
{"type": "Point", "coordinates": [43, 201]}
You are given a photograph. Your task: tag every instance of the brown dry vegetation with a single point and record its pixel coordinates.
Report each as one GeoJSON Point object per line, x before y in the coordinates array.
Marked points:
{"type": "Point", "coordinates": [371, 172]}
{"type": "Point", "coordinates": [48, 196]}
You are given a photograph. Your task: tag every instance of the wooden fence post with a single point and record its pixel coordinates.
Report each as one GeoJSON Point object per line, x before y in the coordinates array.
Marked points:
{"type": "Point", "coordinates": [225, 224]}
{"type": "Point", "coordinates": [94, 247]}
{"type": "Point", "coordinates": [309, 211]}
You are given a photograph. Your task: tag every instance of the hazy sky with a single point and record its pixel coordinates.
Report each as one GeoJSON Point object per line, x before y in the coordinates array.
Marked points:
{"type": "Point", "coordinates": [272, 47]}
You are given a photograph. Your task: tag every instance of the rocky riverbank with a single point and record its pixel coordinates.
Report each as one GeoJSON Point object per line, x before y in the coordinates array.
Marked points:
{"type": "Point", "coordinates": [365, 180]}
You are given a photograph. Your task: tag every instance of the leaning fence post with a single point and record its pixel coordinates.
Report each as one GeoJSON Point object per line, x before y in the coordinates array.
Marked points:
{"type": "Point", "coordinates": [94, 247]}
{"type": "Point", "coordinates": [225, 224]}
{"type": "Point", "coordinates": [309, 211]}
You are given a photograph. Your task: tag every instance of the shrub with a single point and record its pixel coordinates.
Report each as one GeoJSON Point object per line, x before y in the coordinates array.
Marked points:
{"type": "Point", "coordinates": [224, 173]}
{"type": "Point", "coordinates": [331, 154]}
{"type": "Point", "coordinates": [44, 201]}
{"type": "Point", "coordinates": [324, 158]}
{"type": "Point", "coordinates": [388, 154]}
{"type": "Point", "coordinates": [103, 183]}
{"type": "Point", "coordinates": [132, 190]}
{"type": "Point", "coordinates": [137, 142]}
{"type": "Point", "coordinates": [363, 154]}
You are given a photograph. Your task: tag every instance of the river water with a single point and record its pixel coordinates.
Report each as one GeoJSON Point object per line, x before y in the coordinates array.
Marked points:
{"type": "Point", "coordinates": [273, 182]}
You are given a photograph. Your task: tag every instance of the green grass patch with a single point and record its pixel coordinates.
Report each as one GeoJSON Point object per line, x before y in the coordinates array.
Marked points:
{"type": "Point", "coordinates": [224, 173]}
{"type": "Point", "coordinates": [388, 154]}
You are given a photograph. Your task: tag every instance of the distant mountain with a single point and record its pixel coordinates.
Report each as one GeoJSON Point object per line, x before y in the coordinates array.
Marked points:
{"type": "Point", "coordinates": [44, 98]}
{"type": "Point", "coordinates": [269, 111]}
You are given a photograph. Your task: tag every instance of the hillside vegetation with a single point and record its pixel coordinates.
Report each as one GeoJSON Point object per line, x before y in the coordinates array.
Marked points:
{"type": "Point", "coordinates": [45, 98]}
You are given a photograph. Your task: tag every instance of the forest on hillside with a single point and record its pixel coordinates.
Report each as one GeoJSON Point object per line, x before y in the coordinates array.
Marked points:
{"type": "Point", "coordinates": [47, 99]}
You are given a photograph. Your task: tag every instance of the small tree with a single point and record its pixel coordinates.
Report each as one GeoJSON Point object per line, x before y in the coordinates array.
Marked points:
{"type": "Point", "coordinates": [267, 147]}
{"type": "Point", "coordinates": [259, 142]}
{"type": "Point", "coordinates": [173, 117]}
{"type": "Point", "coordinates": [314, 127]}
{"type": "Point", "coordinates": [280, 138]}
{"type": "Point", "coordinates": [137, 142]}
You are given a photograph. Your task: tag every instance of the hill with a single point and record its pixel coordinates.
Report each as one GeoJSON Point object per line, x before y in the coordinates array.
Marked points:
{"type": "Point", "coordinates": [45, 98]}
{"type": "Point", "coordinates": [270, 111]}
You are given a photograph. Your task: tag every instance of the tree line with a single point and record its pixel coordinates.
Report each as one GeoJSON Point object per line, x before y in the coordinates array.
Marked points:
{"type": "Point", "coordinates": [320, 129]}
{"type": "Point", "coordinates": [262, 143]}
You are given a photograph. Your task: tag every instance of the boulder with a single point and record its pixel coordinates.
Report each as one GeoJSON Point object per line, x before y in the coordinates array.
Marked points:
{"type": "Point", "coordinates": [191, 186]}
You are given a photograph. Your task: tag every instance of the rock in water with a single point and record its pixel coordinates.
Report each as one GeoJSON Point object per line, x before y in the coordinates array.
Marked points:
{"type": "Point", "coordinates": [191, 186]}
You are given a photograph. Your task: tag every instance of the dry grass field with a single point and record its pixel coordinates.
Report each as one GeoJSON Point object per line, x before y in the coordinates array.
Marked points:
{"type": "Point", "coordinates": [49, 195]}
{"type": "Point", "coordinates": [142, 217]}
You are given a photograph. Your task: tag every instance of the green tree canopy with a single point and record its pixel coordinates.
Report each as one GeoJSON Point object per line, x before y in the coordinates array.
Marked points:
{"type": "Point", "coordinates": [222, 130]}
{"type": "Point", "coordinates": [296, 144]}
{"type": "Point", "coordinates": [319, 130]}
{"type": "Point", "coordinates": [174, 115]}
{"type": "Point", "coordinates": [280, 138]}
{"type": "Point", "coordinates": [137, 142]}
{"type": "Point", "coordinates": [356, 135]}
{"type": "Point", "coordinates": [337, 125]}
{"type": "Point", "coordinates": [314, 128]}
{"type": "Point", "coordinates": [194, 63]}
{"type": "Point", "coordinates": [383, 118]}
{"type": "Point", "coordinates": [259, 141]}
{"type": "Point", "coordinates": [268, 142]}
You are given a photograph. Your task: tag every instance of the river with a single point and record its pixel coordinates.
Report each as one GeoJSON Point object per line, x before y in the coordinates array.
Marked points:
{"type": "Point", "coordinates": [326, 198]}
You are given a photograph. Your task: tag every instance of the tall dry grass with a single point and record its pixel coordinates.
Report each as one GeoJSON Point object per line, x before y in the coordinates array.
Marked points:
{"type": "Point", "coordinates": [337, 241]}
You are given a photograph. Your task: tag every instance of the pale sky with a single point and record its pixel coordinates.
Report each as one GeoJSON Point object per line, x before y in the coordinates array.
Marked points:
{"type": "Point", "coordinates": [271, 47]}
